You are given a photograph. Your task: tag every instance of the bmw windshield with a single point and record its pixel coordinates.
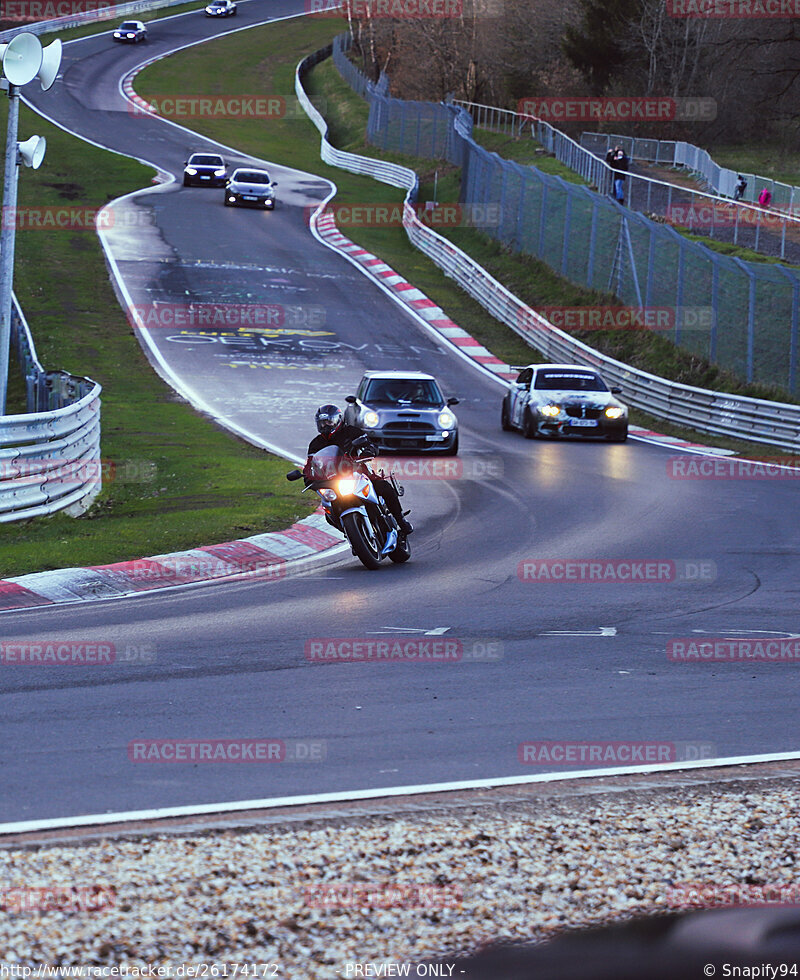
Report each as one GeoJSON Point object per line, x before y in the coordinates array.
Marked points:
{"type": "Point", "coordinates": [568, 381]}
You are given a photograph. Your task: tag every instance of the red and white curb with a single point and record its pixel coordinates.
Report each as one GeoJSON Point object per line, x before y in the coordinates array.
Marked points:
{"type": "Point", "coordinates": [436, 318]}
{"type": "Point", "coordinates": [267, 557]}
{"type": "Point", "coordinates": [413, 298]}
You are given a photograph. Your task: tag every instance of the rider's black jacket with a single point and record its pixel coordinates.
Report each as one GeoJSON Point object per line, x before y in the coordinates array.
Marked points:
{"type": "Point", "coordinates": [343, 438]}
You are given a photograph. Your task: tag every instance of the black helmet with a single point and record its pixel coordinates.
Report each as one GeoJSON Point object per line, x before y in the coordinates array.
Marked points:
{"type": "Point", "coordinates": [328, 419]}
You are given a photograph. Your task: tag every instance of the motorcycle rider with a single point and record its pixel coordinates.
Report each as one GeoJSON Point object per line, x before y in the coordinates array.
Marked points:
{"type": "Point", "coordinates": [333, 432]}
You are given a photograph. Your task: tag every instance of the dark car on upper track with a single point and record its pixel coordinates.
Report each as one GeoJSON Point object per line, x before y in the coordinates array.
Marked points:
{"type": "Point", "coordinates": [404, 411]}
{"type": "Point", "coordinates": [205, 169]}
{"type": "Point", "coordinates": [131, 31]}
{"type": "Point", "coordinates": [250, 187]}
{"type": "Point", "coordinates": [551, 400]}
{"type": "Point", "coordinates": [221, 8]}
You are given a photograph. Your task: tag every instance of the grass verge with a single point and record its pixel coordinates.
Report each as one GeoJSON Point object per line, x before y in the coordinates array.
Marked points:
{"type": "Point", "coordinates": [181, 480]}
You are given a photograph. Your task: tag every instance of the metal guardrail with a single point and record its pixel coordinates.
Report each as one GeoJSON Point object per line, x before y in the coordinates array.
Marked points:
{"type": "Point", "coordinates": [762, 229]}
{"type": "Point", "coordinates": [771, 423]}
{"type": "Point", "coordinates": [87, 17]}
{"type": "Point", "coordinates": [50, 456]}
{"type": "Point", "coordinates": [675, 153]}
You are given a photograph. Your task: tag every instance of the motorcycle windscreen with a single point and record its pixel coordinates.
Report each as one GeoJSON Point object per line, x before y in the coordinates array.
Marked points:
{"type": "Point", "coordinates": [328, 463]}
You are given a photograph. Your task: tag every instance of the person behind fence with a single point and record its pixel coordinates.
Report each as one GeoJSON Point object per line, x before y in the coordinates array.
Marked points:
{"type": "Point", "coordinates": [620, 165]}
{"type": "Point", "coordinates": [741, 187]}
{"type": "Point", "coordinates": [765, 197]}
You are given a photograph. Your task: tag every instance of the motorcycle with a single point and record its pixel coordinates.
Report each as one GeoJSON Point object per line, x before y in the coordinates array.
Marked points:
{"type": "Point", "coordinates": [353, 507]}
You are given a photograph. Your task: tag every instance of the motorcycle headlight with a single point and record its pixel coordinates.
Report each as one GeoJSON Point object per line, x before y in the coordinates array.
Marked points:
{"type": "Point", "coordinates": [550, 410]}
{"type": "Point", "coordinates": [371, 419]}
{"type": "Point", "coordinates": [446, 420]}
{"type": "Point", "coordinates": [328, 494]}
{"type": "Point", "coordinates": [347, 486]}
{"type": "Point", "coordinates": [614, 412]}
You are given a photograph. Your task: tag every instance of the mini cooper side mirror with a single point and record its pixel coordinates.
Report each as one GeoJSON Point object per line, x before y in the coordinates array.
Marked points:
{"type": "Point", "coordinates": [351, 399]}
{"type": "Point", "coordinates": [616, 391]}
{"type": "Point", "coordinates": [452, 401]}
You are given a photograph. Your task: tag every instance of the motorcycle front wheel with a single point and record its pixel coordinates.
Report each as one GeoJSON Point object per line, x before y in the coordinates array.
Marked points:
{"type": "Point", "coordinates": [362, 539]}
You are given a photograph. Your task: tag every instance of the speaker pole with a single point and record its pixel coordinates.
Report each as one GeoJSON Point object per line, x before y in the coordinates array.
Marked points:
{"type": "Point", "coordinates": [8, 226]}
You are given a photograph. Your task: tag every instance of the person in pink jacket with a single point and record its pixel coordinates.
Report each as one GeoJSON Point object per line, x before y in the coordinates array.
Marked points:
{"type": "Point", "coordinates": [765, 197]}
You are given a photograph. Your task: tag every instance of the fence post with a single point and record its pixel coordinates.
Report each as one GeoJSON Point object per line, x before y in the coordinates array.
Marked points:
{"type": "Point", "coordinates": [751, 315]}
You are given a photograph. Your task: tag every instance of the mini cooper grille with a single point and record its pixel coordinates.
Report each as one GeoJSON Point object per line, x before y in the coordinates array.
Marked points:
{"type": "Point", "coordinates": [398, 427]}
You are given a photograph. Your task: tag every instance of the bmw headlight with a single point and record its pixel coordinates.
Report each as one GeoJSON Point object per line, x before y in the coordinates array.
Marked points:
{"type": "Point", "coordinates": [219, 173]}
{"type": "Point", "coordinates": [446, 420]}
{"type": "Point", "coordinates": [191, 171]}
{"type": "Point", "coordinates": [371, 419]}
{"type": "Point", "coordinates": [614, 412]}
{"type": "Point", "coordinates": [130, 35]}
{"type": "Point", "coordinates": [550, 410]}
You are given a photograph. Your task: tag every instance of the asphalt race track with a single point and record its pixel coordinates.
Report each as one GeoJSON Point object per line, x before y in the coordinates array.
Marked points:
{"type": "Point", "coordinates": [562, 661]}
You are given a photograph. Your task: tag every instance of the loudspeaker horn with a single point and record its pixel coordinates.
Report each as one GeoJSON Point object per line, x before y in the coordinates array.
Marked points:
{"type": "Point", "coordinates": [51, 62]}
{"type": "Point", "coordinates": [32, 151]}
{"type": "Point", "coordinates": [22, 58]}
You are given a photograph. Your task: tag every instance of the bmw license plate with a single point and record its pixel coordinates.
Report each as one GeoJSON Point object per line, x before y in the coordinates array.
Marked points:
{"type": "Point", "coordinates": [249, 197]}
{"type": "Point", "coordinates": [204, 177]}
{"type": "Point", "coordinates": [587, 423]}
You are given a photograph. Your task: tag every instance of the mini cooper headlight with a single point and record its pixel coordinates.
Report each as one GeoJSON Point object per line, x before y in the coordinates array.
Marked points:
{"type": "Point", "coordinates": [550, 410]}
{"type": "Point", "coordinates": [614, 412]}
{"type": "Point", "coordinates": [371, 419]}
{"type": "Point", "coordinates": [446, 420]}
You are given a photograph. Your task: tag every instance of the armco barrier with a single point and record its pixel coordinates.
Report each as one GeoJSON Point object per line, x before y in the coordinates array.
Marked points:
{"type": "Point", "coordinates": [50, 457]}
{"type": "Point", "coordinates": [773, 423]}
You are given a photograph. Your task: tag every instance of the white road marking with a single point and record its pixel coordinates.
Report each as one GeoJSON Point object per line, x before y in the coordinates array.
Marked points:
{"type": "Point", "coordinates": [603, 631]}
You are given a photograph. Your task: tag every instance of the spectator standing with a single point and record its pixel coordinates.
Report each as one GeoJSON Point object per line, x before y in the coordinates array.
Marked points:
{"type": "Point", "coordinates": [765, 197]}
{"type": "Point", "coordinates": [741, 187]}
{"type": "Point", "coordinates": [620, 165]}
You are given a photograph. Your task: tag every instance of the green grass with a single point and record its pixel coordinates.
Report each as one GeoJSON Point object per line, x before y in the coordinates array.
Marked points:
{"type": "Point", "coordinates": [295, 142]}
{"type": "Point", "coordinates": [180, 480]}
{"type": "Point", "coordinates": [525, 151]}
{"type": "Point", "coordinates": [779, 163]}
